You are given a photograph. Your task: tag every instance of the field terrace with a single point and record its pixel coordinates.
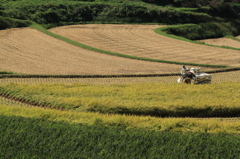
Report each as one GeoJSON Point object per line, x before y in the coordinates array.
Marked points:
{"type": "Point", "coordinates": [222, 42]}
{"type": "Point", "coordinates": [142, 41]}
{"type": "Point", "coordinates": [28, 51]}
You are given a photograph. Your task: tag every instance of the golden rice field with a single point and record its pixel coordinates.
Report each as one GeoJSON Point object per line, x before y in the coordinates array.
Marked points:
{"type": "Point", "coordinates": [135, 96]}
{"type": "Point", "coordinates": [209, 125]}
{"type": "Point", "coordinates": [222, 42]}
{"type": "Point", "coordinates": [142, 41]}
{"type": "Point", "coordinates": [28, 51]}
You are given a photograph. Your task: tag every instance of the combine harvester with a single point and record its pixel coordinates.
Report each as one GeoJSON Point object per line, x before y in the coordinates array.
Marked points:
{"type": "Point", "coordinates": [201, 77]}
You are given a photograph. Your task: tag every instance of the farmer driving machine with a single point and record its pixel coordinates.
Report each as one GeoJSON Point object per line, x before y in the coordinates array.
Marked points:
{"type": "Point", "coordinates": [195, 76]}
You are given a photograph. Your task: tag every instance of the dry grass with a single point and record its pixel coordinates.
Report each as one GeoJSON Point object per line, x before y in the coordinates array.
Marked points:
{"type": "Point", "coordinates": [142, 41]}
{"type": "Point", "coordinates": [26, 50]}
{"type": "Point", "coordinates": [222, 42]}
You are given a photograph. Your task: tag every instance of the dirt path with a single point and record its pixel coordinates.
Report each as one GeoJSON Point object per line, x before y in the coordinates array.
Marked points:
{"type": "Point", "coordinates": [26, 50]}
{"type": "Point", "coordinates": [222, 42]}
{"type": "Point", "coordinates": [142, 41]}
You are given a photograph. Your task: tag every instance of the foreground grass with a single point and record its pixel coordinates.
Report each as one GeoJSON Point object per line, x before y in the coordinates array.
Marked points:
{"type": "Point", "coordinates": [175, 100]}
{"type": "Point", "coordinates": [33, 138]}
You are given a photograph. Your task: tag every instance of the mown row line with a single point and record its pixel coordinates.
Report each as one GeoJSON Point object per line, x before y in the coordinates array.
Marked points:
{"type": "Point", "coordinates": [13, 75]}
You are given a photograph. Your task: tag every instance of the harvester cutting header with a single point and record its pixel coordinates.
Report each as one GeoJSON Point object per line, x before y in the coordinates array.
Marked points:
{"type": "Point", "coordinates": [194, 76]}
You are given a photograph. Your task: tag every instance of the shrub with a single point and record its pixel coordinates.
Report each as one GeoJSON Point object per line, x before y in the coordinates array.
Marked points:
{"type": "Point", "coordinates": [12, 23]}
{"type": "Point", "coordinates": [204, 30]}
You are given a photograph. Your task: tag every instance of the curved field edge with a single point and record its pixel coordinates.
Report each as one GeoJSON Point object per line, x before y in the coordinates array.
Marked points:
{"type": "Point", "coordinates": [162, 29]}
{"type": "Point", "coordinates": [40, 28]}
{"type": "Point", "coordinates": [159, 100]}
{"type": "Point", "coordinates": [204, 125]}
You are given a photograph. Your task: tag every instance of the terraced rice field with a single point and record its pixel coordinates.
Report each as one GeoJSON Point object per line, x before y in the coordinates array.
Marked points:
{"type": "Point", "coordinates": [26, 50]}
{"type": "Point", "coordinates": [142, 41]}
{"type": "Point", "coordinates": [222, 42]}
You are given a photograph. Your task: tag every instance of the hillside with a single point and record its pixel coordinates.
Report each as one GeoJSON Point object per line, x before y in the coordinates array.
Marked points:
{"type": "Point", "coordinates": [97, 79]}
{"type": "Point", "coordinates": [210, 15]}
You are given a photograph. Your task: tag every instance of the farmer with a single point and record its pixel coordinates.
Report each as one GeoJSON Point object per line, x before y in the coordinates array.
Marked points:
{"type": "Point", "coordinates": [186, 73]}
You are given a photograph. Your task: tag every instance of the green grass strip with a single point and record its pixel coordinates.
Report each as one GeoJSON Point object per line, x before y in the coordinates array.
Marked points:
{"type": "Point", "coordinates": [161, 32]}
{"type": "Point", "coordinates": [232, 37]}
{"type": "Point", "coordinates": [40, 28]}
{"type": "Point", "coordinates": [6, 72]}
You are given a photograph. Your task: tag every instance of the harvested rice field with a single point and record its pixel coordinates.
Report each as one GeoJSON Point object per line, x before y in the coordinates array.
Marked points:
{"type": "Point", "coordinates": [28, 51]}
{"type": "Point", "coordinates": [222, 42]}
{"type": "Point", "coordinates": [216, 78]}
{"type": "Point", "coordinates": [142, 41]}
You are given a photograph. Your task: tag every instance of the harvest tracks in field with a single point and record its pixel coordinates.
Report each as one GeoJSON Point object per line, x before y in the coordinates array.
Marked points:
{"type": "Point", "coordinates": [29, 51]}
{"type": "Point", "coordinates": [142, 41]}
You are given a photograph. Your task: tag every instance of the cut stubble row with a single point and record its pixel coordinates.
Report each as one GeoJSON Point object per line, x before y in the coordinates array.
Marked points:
{"type": "Point", "coordinates": [142, 41]}
{"type": "Point", "coordinates": [29, 51]}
